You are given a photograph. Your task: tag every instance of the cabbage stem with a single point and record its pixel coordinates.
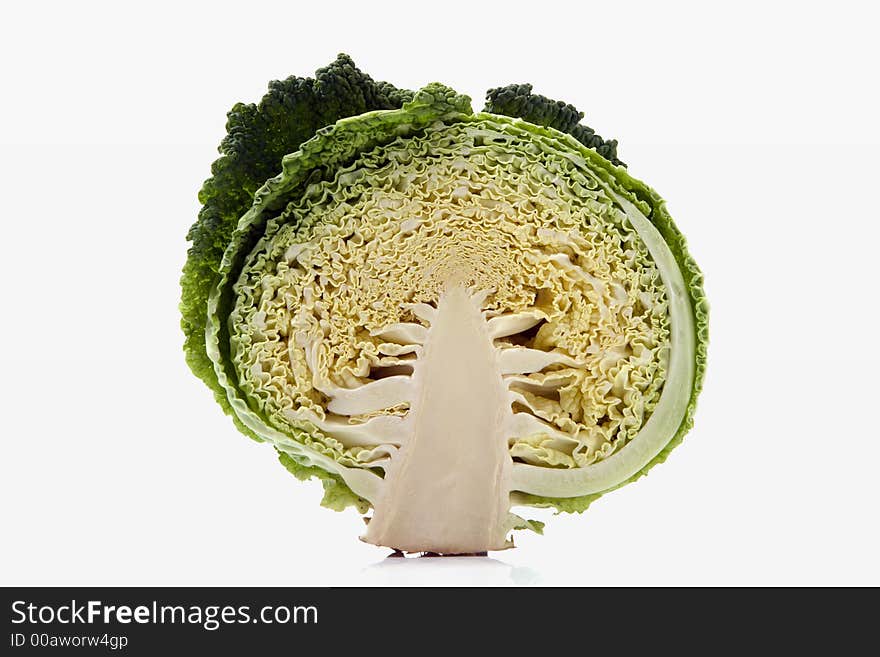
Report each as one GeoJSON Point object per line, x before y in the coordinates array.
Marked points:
{"type": "Point", "coordinates": [448, 488]}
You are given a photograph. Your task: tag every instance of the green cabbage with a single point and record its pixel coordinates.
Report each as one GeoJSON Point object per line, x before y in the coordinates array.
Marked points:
{"type": "Point", "coordinates": [442, 314]}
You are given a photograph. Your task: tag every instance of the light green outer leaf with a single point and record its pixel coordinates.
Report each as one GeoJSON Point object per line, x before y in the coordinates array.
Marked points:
{"type": "Point", "coordinates": [654, 208]}
{"type": "Point", "coordinates": [670, 409]}
{"type": "Point", "coordinates": [337, 495]}
{"type": "Point", "coordinates": [333, 147]}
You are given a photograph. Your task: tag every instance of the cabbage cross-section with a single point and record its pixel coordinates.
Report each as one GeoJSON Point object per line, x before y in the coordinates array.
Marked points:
{"type": "Point", "coordinates": [453, 313]}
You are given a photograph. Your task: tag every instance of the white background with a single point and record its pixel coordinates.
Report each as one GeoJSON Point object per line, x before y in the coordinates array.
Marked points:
{"type": "Point", "coordinates": [758, 123]}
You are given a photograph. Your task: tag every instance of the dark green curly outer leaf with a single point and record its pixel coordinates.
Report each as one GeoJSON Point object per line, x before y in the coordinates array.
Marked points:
{"type": "Point", "coordinates": [258, 137]}
{"type": "Point", "coordinates": [517, 100]}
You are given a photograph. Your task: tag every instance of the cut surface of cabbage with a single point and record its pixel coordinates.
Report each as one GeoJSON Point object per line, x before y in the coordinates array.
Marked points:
{"type": "Point", "coordinates": [464, 310]}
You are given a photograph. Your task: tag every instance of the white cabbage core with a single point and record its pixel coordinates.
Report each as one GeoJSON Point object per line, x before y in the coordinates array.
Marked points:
{"type": "Point", "coordinates": [454, 461]}
{"type": "Point", "coordinates": [456, 317]}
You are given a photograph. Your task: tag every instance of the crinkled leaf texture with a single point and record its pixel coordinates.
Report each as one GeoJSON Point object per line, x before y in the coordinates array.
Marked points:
{"type": "Point", "coordinates": [259, 136]}
{"type": "Point", "coordinates": [332, 139]}
{"type": "Point", "coordinates": [517, 100]}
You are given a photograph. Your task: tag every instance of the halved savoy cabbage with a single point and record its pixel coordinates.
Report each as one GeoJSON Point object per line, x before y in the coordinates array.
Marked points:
{"type": "Point", "coordinates": [439, 313]}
